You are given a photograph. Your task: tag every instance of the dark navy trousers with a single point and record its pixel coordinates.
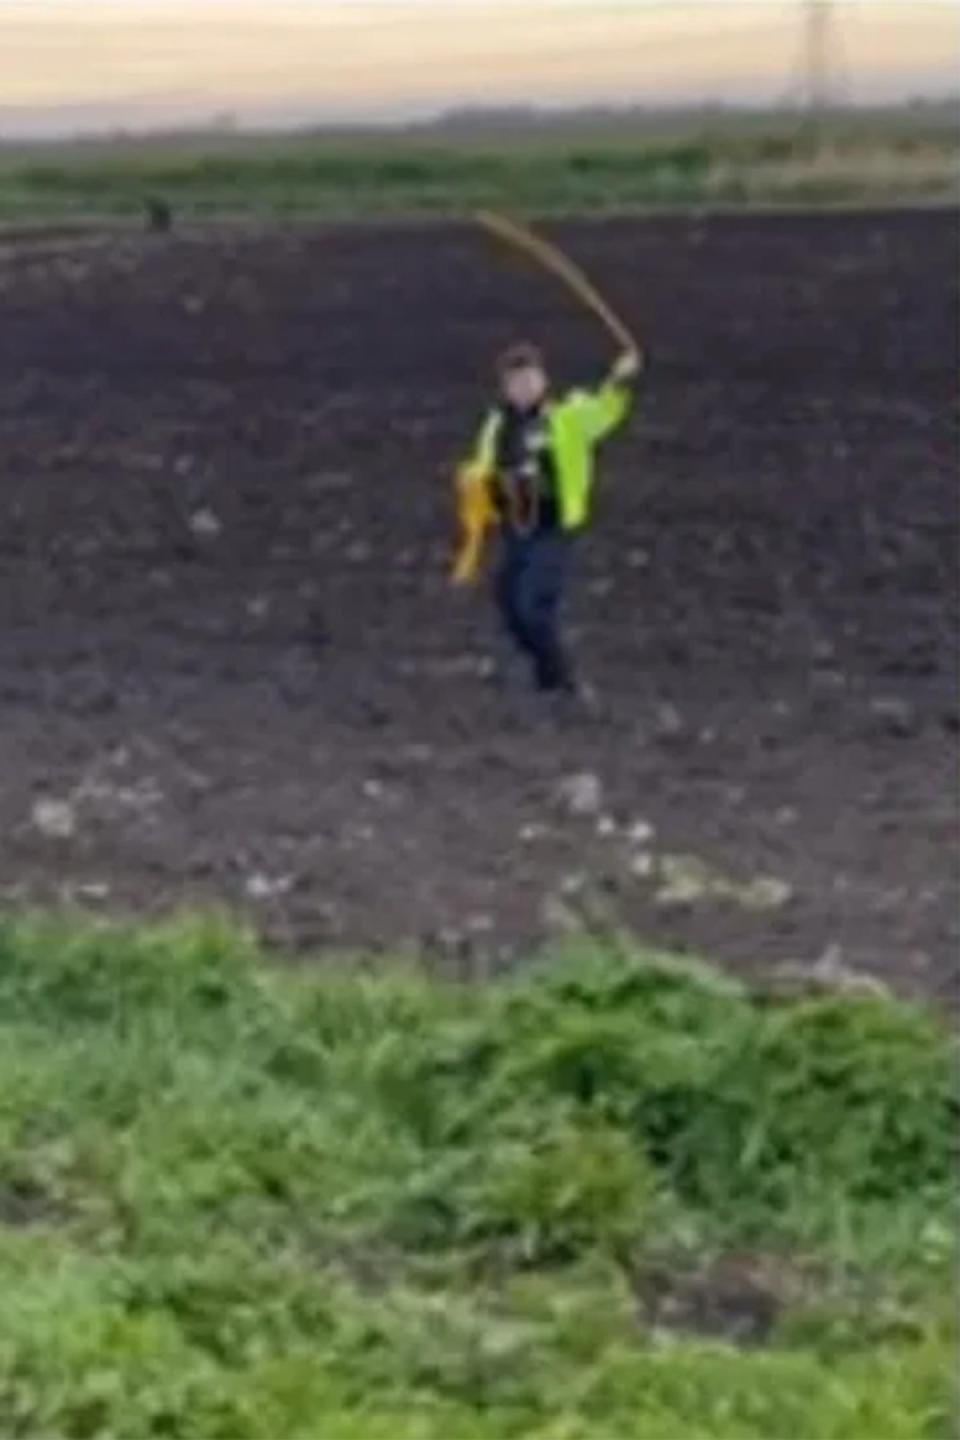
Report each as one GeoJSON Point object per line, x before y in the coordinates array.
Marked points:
{"type": "Point", "coordinates": [530, 585]}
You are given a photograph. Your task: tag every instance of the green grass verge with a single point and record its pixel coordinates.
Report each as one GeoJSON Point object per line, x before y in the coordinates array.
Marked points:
{"type": "Point", "coordinates": [300, 177]}
{"type": "Point", "coordinates": [240, 1200]}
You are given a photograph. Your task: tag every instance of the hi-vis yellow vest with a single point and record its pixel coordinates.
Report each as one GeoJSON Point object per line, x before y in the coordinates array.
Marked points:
{"type": "Point", "coordinates": [577, 424]}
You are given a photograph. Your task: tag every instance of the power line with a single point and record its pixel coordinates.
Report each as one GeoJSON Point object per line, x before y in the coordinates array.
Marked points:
{"type": "Point", "coordinates": [819, 76]}
{"type": "Point", "coordinates": [818, 27]}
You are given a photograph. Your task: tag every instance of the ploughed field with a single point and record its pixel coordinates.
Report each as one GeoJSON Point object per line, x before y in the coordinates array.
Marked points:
{"type": "Point", "coordinates": [232, 668]}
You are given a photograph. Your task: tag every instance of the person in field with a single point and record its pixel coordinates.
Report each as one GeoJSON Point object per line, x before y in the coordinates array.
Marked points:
{"type": "Point", "coordinates": [531, 475]}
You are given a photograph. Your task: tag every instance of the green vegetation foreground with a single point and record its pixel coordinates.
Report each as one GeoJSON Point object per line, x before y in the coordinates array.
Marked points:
{"type": "Point", "coordinates": [614, 1196]}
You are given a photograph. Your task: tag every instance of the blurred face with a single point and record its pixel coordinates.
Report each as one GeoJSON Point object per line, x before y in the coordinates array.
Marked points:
{"type": "Point", "coordinates": [525, 387]}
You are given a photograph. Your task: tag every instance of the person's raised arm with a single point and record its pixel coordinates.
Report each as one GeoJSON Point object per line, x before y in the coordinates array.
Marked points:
{"type": "Point", "coordinates": [607, 407]}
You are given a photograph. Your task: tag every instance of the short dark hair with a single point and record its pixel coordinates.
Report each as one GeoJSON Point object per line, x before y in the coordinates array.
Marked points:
{"type": "Point", "coordinates": [521, 356]}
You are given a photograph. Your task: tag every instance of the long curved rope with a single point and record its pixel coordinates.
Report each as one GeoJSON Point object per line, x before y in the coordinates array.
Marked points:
{"type": "Point", "coordinates": [560, 265]}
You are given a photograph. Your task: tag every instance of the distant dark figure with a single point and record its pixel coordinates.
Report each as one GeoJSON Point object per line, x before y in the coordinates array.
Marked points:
{"type": "Point", "coordinates": [159, 216]}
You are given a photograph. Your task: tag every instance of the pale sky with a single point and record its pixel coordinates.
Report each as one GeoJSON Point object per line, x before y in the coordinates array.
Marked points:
{"type": "Point", "coordinates": [81, 64]}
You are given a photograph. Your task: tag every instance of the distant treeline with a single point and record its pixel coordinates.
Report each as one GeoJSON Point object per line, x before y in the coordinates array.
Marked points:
{"type": "Point", "coordinates": [856, 156]}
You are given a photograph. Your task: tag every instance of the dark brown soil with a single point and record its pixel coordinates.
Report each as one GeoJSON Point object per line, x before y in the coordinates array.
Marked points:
{"type": "Point", "coordinates": [231, 667]}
